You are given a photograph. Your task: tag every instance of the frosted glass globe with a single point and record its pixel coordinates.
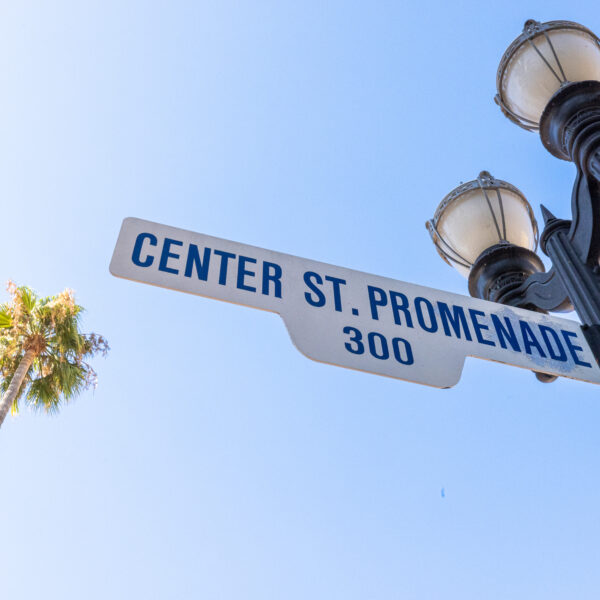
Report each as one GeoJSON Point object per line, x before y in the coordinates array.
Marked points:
{"type": "Point", "coordinates": [465, 224]}
{"type": "Point", "coordinates": [540, 61]}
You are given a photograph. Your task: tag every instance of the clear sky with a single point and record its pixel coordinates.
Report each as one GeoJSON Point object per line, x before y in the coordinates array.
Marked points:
{"type": "Point", "coordinates": [214, 460]}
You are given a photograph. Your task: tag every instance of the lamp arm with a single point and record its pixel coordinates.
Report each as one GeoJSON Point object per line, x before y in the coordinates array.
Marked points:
{"type": "Point", "coordinates": [540, 291]}
{"type": "Point", "coordinates": [574, 248]}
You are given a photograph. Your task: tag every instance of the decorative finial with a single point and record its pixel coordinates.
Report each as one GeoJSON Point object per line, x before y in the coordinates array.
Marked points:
{"type": "Point", "coordinates": [485, 179]}
{"type": "Point", "coordinates": [548, 216]}
{"type": "Point", "coordinates": [531, 26]}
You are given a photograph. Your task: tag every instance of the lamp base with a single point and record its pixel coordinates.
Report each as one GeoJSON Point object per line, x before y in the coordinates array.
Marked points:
{"type": "Point", "coordinates": [570, 124]}
{"type": "Point", "coordinates": [501, 269]}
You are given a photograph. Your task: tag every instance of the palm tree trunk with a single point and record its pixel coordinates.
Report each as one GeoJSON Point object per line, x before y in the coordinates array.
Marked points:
{"type": "Point", "coordinates": [15, 384]}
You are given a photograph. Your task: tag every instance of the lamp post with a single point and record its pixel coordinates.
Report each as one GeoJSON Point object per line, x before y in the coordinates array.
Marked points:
{"type": "Point", "coordinates": [548, 81]}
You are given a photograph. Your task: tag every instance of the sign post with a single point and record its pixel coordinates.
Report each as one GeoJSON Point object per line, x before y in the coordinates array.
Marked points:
{"type": "Point", "coordinates": [352, 319]}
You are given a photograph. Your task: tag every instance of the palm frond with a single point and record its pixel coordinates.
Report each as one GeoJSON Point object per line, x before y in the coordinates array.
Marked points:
{"type": "Point", "coordinates": [44, 394]}
{"type": "Point", "coordinates": [70, 378]}
{"type": "Point", "coordinates": [5, 316]}
{"type": "Point", "coordinates": [28, 298]}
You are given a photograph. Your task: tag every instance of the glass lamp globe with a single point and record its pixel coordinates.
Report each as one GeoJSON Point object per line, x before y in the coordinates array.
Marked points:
{"type": "Point", "coordinates": [544, 58]}
{"type": "Point", "coordinates": [480, 214]}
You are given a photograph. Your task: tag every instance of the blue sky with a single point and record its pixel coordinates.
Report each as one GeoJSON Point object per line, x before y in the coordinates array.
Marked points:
{"type": "Point", "coordinates": [214, 460]}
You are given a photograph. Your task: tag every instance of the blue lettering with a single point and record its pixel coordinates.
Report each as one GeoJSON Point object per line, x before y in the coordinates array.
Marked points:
{"type": "Point", "coordinates": [409, 360]}
{"type": "Point", "coordinates": [384, 354]}
{"type": "Point", "coordinates": [433, 326]}
{"type": "Point", "coordinates": [320, 296]}
{"type": "Point", "coordinates": [375, 302]}
{"type": "Point", "coordinates": [396, 308]}
{"type": "Point", "coordinates": [574, 349]}
{"type": "Point", "coordinates": [505, 333]}
{"type": "Point", "coordinates": [193, 260]}
{"type": "Point", "coordinates": [242, 272]}
{"type": "Point", "coordinates": [137, 249]}
{"type": "Point", "coordinates": [165, 255]}
{"type": "Point", "coordinates": [479, 327]}
{"type": "Point", "coordinates": [275, 277]}
{"type": "Point", "coordinates": [456, 319]}
{"type": "Point", "coordinates": [337, 296]}
{"type": "Point", "coordinates": [529, 339]}
{"type": "Point", "coordinates": [562, 356]}
{"type": "Point", "coordinates": [225, 256]}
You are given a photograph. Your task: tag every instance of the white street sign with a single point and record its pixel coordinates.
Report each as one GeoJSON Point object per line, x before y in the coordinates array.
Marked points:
{"type": "Point", "coordinates": [352, 319]}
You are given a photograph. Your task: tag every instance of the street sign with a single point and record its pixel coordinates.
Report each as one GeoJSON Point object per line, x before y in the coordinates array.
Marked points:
{"type": "Point", "coordinates": [353, 319]}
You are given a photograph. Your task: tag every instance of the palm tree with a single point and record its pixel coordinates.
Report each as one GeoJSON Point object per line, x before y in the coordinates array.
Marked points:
{"type": "Point", "coordinates": [42, 352]}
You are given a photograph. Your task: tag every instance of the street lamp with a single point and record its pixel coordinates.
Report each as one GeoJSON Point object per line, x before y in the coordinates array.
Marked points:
{"type": "Point", "coordinates": [485, 228]}
{"type": "Point", "coordinates": [548, 80]}
{"type": "Point", "coordinates": [544, 58]}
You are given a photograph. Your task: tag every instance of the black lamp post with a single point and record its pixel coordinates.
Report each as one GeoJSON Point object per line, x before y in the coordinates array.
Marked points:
{"type": "Point", "coordinates": [548, 80]}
